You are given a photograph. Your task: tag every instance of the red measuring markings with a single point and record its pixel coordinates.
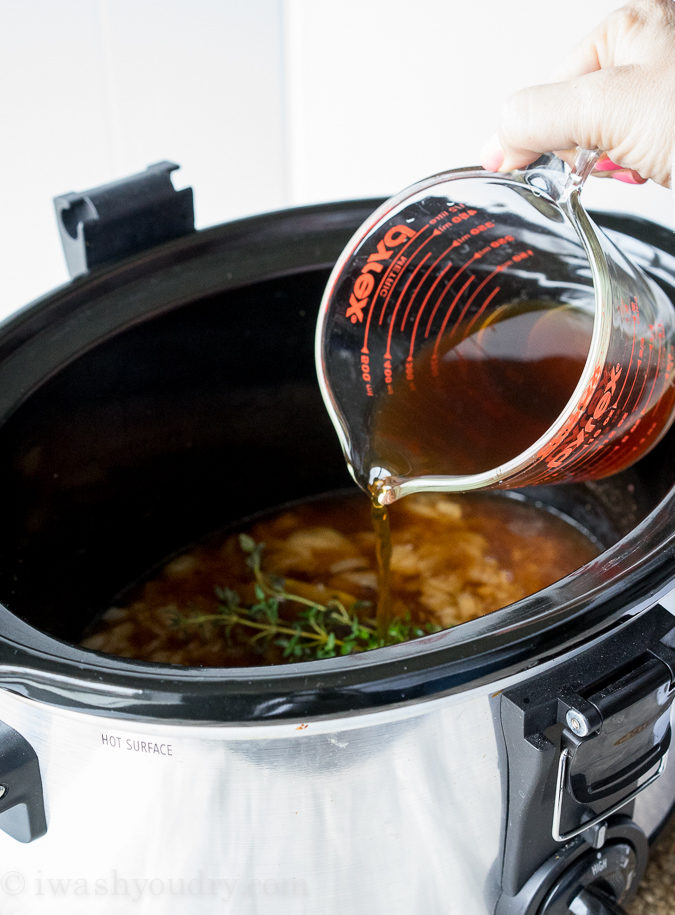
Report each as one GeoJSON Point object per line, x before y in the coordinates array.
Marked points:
{"type": "Point", "coordinates": [658, 331]}
{"type": "Point", "coordinates": [654, 332]}
{"type": "Point", "coordinates": [441, 276]}
{"type": "Point", "coordinates": [442, 295]}
{"type": "Point", "coordinates": [615, 389]}
{"type": "Point", "coordinates": [521, 255]}
{"type": "Point", "coordinates": [426, 276]}
{"type": "Point", "coordinates": [387, 288]}
{"type": "Point", "coordinates": [621, 401]}
{"type": "Point", "coordinates": [395, 269]}
{"type": "Point", "coordinates": [365, 372]}
{"type": "Point", "coordinates": [419, 285]}
{"type": "Point", "coordinates": [403, 232]}
{"type": "Point", "coordinates": [434, 357]}
{"type": "Point", "coordinates": [410, 373]}
{"type": "Point", "coordinates": [389, 281]}
{"type": "Point", "coordinates": [638, 398]}
{"type": "Point", "coordinates": [549, 454]}
{"type": "Point", "coordinates": [447, 289]}
{"type": "Point", "coordinates": [392, 322]}
{"type": "Point", "coordinates": [364, 283]}
{"type": "Point", "coordinates": [626, 312]}
{"type": "Point", "coordinates": [627, 401]}
{"type": "Point", "coordinates": [409, 261]}
{"type": "Point", "coordinates": [475, 230]}
{"type": "Point", "coordinates": [634, 316]}
{"type": "Point", "coordinates": [630, 442]}
{"type": "Point", "coordinates": [590, 420]}
{"type": "Point", "coordinates": [493, 244]}
{"type": "Point", "coordinates": [413, 336]}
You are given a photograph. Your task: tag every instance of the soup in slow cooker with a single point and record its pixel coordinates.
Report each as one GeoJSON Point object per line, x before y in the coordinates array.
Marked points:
{"type": "Point", "coordinates": [302, 584]}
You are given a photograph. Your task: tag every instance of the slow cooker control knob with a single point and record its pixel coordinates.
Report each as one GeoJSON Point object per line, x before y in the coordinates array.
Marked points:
{"type": "Point", "coordinates": [597, 883]}
{"type": "Point", "coordinates": [592, 901]}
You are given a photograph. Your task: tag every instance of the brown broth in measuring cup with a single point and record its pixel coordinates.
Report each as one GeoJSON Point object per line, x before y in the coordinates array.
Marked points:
{"type": "Point", "coordinates": [481, 398]}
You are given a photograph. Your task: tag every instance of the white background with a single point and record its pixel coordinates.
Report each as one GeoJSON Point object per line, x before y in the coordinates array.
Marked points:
{"type": "Point", "coordinates": [264, 103]}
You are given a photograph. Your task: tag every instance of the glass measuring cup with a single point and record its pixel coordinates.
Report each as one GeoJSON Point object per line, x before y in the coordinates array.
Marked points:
{"type": "Point", "coordinates": [479, 331]}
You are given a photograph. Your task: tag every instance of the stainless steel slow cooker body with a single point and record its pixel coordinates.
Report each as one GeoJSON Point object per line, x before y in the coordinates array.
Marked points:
{"type": "Point", "coordinates": [160, 398]}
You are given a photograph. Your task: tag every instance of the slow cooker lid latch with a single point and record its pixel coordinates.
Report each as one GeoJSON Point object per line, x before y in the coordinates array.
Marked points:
{"type": "Point", "coordinates": [113, 221]}
{"type": "Point", "coordinates": [622, 735]}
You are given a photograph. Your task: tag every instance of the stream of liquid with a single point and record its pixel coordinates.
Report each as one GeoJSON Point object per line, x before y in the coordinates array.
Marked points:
{"type": "Point", "coordinates": [382, 528]}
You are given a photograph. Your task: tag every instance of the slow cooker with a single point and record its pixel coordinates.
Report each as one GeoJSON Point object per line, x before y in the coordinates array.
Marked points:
{"type": "Point", "coordinates": [515, 764]}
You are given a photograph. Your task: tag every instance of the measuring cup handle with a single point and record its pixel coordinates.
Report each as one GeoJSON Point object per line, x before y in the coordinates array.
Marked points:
{"type": "Point", "coordinates": [583, 165]}
{"type": "Point", "coordinates": [553, 174]}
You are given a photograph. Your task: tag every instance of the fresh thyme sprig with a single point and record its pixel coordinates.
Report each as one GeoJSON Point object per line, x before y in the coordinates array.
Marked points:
{"type": "Point", "coordinates": [302, 628]}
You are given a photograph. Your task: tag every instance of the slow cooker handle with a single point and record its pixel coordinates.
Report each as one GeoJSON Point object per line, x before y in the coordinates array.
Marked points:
{"type": "Point", "coordinates": [22, 806]}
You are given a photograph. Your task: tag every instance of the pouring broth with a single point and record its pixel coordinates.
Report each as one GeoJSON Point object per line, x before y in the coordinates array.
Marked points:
{"type": "Point", "coordinates": [303, 583]}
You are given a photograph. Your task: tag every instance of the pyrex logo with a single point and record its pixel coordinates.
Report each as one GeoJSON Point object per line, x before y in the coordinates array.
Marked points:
{"type": "Point", "coordinates": [586, 426]}
{"type": "Point", "coordinates": [365, 281]}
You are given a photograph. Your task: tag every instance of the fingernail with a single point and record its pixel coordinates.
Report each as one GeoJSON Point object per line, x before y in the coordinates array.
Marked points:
{"type": "Point", "coordinates": [605, 164]}
{"type": "Point", "coordinates": [492, 161]}
{"type": "Point", "coordinates": [492, 155]}
{"type": "Point", "coordinates": [628, 177]}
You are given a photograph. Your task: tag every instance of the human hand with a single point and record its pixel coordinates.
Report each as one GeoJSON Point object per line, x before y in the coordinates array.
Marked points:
{"type": "Point", "coordinates": [616, 93]}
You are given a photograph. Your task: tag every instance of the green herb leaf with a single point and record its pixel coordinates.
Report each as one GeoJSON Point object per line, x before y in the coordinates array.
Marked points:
{"type": "Point", "coordinates": [247, 543]}
{"type": "Point", "coordinates": [303, 629]}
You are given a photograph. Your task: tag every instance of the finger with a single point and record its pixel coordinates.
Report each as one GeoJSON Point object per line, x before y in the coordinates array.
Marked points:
{"type": "Point", "coordinates": [629, 35]}
{"type": "Point", "coordinates": [580, 112]}
{"type": "Point", "coordinates": [582, 59]}
{"type": "Point", "coordinates": [626, 175]}
{"type": "Point", "coordinates": [605, 168]}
